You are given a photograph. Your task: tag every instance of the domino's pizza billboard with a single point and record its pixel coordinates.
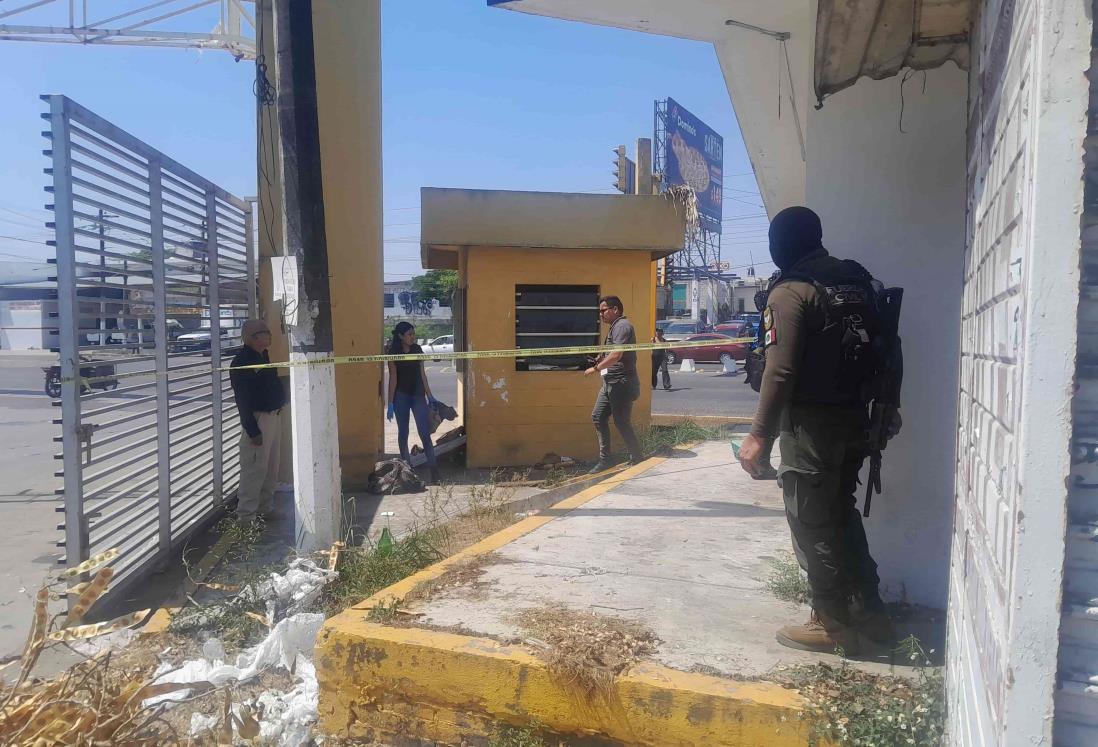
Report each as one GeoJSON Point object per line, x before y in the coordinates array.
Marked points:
{"type": "Point", "coordinates": [695, 158]}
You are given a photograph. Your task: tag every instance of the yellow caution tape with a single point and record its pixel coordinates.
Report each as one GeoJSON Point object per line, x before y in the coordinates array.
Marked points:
{"type": "Point", "coordinates": [457, 356]}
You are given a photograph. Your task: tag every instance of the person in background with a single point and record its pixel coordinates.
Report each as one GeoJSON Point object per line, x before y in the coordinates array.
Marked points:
{"type": "Point", "coordinates": [659, 362]}
{"type": "Point", "coordinates": [259, 400]}
{"type": "Point", "coordinates": [410, 395]}
{"type": "Point", "coordinates": [620, 384]}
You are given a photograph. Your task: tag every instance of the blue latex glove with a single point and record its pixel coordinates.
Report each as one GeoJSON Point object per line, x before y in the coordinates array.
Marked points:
{"type": "Point", "coordinates": [391, 412]}
{"type": "Point", "coordinates": [431, 399]}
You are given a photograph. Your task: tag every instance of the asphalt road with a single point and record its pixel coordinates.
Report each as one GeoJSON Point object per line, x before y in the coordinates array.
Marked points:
{"type": "Point", "coordinates": [28, 523]}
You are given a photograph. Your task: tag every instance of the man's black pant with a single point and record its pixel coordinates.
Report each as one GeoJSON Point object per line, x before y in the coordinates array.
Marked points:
{"type": "Point", "coordinates": [822, 450]}
{"type": "Point", "coordinates": [659, 364]}
{"type": "Point", "coordinates": [616, 398]}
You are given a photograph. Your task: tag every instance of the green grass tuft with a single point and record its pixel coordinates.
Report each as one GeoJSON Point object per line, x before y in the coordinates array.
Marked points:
{"type": "Point", "coordinates": [512, 736]}
{"type": "Point", "coordinates": [366, 571]}
{"type": "Point", "coordinates": [787, 581]}
{"type": "Point", "coordinates": [854, 708]}
{"type": "Point", "coordinates": [662, 438]}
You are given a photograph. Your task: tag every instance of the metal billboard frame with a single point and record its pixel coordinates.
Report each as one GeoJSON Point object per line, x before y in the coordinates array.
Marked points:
{"type": "Point", "coordinates": [703, 248]}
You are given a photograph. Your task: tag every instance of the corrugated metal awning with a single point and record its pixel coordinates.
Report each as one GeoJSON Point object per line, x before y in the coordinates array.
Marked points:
{"type": "Point", "coordinates": [878, 38]}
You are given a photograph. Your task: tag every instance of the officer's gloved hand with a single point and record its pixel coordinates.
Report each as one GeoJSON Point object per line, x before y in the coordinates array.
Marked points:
{"type": "Point", "coordinates": [391, 412]}
{"type": "Point", "coordinates": [431, 399]}
{"type": "Point", "coordinates": [895, 423]}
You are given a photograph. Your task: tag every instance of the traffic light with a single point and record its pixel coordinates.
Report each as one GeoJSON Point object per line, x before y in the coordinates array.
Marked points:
{"type": "Point", "coordinates": [621, 170]}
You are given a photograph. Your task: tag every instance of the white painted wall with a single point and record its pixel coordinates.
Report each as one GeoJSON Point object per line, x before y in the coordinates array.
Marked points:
{"type": "Point", "coordinates": [1029, 100]}
{"type": "Point", "coordinates": [20, 328]}
{"type": "Point", "coordinates": [895, 201]}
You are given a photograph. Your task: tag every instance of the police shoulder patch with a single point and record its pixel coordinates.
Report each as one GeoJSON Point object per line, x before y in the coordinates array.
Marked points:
{"type": "Point", "coordinates": [771, 336]}
{"type": "Point", "coordinates": [768, 318]}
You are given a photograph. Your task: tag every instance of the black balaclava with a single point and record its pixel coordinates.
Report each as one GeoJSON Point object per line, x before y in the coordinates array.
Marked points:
{"type": "Point", "coordinates": [794, 233]}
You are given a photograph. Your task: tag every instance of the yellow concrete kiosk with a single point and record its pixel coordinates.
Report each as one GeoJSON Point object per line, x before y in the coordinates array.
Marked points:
{"type": "Point", "coordinates": [531, 268]}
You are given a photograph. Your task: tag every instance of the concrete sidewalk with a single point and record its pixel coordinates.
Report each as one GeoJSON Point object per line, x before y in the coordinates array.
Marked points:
{"type": "Point", "coordinates": [682, 546]}
{"type": "Point", "coordinates": [684, 549]}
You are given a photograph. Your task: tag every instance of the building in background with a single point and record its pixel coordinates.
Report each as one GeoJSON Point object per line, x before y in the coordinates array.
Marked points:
{"type": "Point", "coordinates": [401, 300]}
{"type": "Point", "coordinates": [531, 269]}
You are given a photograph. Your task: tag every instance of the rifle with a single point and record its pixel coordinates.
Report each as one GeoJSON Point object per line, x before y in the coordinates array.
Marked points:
{"type": "Point", "coordinates": [884, 394]}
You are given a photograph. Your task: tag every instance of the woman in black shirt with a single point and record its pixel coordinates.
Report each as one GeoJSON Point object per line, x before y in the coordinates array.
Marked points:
{"type": "Point", "coordinates": [409, 394]}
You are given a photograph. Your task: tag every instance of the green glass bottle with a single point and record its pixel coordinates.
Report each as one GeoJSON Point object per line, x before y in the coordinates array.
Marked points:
{"type": "Point", "coordinates": [385, 543]}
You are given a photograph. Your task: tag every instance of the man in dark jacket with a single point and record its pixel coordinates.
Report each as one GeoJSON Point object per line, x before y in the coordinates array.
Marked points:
{"type": "Point", "coordinates": [812, 394]}
{"type": "Point", "coordinates": [259, 400]}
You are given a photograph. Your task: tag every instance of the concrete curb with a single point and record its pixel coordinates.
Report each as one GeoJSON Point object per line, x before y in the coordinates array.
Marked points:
{"type": "Point", "coordinates": [411, 685]}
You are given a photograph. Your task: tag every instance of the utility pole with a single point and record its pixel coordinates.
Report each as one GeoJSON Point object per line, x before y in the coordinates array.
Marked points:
{"type": "Point", "coordinates": [643, 184]}
{"type": "Point", "coordinates": [317, 479]}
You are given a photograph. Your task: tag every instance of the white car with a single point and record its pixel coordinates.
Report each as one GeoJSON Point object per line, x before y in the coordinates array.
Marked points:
{"type": "Point", "coordinates": [195, 341]}
{"type": "Point", "coordinates": [444, 344]}
{"type": "Point", "coordinates": [680, 330]}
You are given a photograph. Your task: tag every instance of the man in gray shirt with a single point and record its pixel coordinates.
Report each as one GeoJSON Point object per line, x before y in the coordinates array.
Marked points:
{"type": "Point", "coordinates": [620, 384]}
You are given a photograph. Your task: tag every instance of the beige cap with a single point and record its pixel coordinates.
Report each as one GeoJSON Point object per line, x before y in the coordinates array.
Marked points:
{"type": "Point", "coordinates": [253, 327]}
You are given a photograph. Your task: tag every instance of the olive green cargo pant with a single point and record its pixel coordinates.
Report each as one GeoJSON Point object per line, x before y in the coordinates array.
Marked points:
{"type": "Point", "coordinates": [822, 450]}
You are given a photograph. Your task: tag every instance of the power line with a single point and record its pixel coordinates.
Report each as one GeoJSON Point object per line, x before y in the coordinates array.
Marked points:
{"type": "Point", "coordinates": [38, 227]}
{"type": "Point", "coordinates": [29, 241]}
{"type": "Point", "coordinates": [23, 215]}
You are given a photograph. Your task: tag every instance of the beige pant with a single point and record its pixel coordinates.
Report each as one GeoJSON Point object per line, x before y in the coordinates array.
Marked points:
{"type": "Point", "coordinates": [259, 467]}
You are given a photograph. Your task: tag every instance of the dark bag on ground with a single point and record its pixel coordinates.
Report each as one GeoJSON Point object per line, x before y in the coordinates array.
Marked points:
{"type": "Point", "coordinates": [439, 411]}
{"type": "Point", "coordinates": [394, 476]}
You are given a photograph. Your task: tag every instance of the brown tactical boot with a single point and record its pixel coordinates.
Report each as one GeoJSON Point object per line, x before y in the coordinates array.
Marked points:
{"type": "Point", "coordinates": [872, 621]}
{"type": "Point", "coordinates": [822, 633]}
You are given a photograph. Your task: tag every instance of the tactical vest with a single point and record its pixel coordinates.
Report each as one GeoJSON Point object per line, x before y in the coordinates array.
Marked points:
{"type": "Point", "coordinates": [840, 360]}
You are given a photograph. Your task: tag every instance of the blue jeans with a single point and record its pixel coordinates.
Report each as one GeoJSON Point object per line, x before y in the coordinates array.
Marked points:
{"type": "Point", "coordinates": [414, 404]}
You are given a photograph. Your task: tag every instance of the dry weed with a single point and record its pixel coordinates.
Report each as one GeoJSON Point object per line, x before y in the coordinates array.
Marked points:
{"type": "Point", "coordinates": [464, 574]}
{"type": "Point", "coordinates": [586, 649]}
{"type": "Point", "coordinates": [95, 701]}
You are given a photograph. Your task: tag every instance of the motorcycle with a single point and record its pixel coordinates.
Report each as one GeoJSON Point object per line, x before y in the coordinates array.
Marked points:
{"type": "Point", "coordinates": [102, 373]}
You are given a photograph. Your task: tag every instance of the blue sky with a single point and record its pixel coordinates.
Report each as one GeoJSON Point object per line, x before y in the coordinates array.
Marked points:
{"type": "Point", "coordinates": [472, 97]}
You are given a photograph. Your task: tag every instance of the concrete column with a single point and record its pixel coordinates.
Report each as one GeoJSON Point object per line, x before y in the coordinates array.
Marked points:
{"type": "Point", "coordinates": [317, 495]}
{"type": "Point", "coordinates": [269, 221]}
{"type": "Point", "coordinates": [347, 41]}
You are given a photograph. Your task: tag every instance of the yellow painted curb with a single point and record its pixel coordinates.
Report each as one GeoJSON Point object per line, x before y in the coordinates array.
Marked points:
{"type": "Point", "coordinates": [406, 684]}
{"type": "Point", "coordinates": [706, 420]}
{"type": "Point", "coordinates": [381, 683]}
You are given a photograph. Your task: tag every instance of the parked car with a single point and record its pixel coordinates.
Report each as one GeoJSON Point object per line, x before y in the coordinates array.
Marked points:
{"type": "Point", "coordinates": [722, 346]}
{"type": "Point", "coordinates": [197, 340]}
{"type": "Point", "coordinates": [681, 329]}
{"type": "Point", "coordinates": [738, 328]}
{"type": "Point", "coordinates": [444, 344]}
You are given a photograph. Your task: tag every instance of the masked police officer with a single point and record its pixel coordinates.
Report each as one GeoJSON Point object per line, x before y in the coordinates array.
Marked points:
{"type": "Point", "coordinates": [818, 329]}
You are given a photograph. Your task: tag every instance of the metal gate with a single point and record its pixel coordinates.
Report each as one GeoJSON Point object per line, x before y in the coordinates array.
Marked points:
{"type": "Point", "coordinates": [155, 275]}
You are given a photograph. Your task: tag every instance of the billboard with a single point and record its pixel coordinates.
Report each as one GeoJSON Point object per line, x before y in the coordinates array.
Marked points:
{"type": "Point", "coordinates": [694, 156]}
